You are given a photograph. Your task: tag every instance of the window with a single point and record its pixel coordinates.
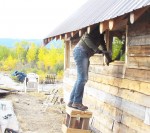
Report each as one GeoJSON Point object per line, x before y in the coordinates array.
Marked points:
{"type": "Point", "coordinates": [118, 48]}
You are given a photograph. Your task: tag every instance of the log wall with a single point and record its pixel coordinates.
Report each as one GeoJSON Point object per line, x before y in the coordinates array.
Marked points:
{"type": "Point", "coordinates": [118, 94]}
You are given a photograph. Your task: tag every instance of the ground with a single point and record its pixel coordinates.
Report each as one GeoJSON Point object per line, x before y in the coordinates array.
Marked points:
{"type": "Point", "coordinates": [28, 107]}
{"type": "Point", "coordinates": [31, 118]}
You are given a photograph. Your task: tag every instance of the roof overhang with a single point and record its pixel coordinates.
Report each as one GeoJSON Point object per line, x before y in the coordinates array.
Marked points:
{"type": "Point", "coordinates": [108, 15]}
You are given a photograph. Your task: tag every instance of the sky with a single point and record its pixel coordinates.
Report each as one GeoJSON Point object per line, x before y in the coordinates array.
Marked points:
{"type": "Point", "coordinates": [34, 19]}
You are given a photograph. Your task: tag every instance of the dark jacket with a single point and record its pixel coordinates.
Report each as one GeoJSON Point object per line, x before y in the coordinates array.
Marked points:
{"type": "Point", "coordinates": [91, 43]}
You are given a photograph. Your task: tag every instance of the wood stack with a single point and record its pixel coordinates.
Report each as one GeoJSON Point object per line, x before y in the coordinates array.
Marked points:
{"type": "Point", "coordinates": [76, 121]}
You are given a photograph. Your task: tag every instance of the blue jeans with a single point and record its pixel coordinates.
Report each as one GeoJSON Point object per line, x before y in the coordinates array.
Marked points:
{"type": "Point", "coordinates": [82, 62]}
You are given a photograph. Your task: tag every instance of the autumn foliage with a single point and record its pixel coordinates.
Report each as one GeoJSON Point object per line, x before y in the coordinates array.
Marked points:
{"type": "Point", "coordinates": [28, 57]}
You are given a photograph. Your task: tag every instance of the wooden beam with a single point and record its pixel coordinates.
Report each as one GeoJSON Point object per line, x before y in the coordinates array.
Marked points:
{"type": "Point", "coordinates": [120, 23]}
{"type": "Point", "coordinates": [72, 33]}
{"type": "Point", "coordinates": [131, 17]}
{"type": "Point", "coordinates": [56, 38]}
{"type": "Point", "coordinates": [111, 24]}
{"type": "Point", "coordinates": [88, 30]}
{"type": "Point", "coordinates": [60, 37]}
{"type": "Point", "coordinates": [91, 28]}
{"type": "Point", "coordinates": [49, 39]}
{"type": "Point", "coordinates": [67, 36]}
{"type": "Point", "coordinates": [103, 26]}
{"type": "Point", "coordinates": [82, 31]}
{"type": "Point", "coordinates": [136, 14]}
{"type": "Point", "coordinates": [45, 41]}
{"type": "Point", "coordinates": [107, 39]}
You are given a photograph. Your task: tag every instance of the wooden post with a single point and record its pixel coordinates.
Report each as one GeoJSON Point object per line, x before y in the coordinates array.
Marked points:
{"type": "Point", "coordinates": [85, 123]}
{"type": "Point", "coordinates": [67, 54]}
{"type": "Point", "coordinates": [126, 52]}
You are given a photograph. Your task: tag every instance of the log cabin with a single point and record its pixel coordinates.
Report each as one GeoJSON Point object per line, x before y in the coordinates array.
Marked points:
{"type": "Point", "coordinates": [118, 94]}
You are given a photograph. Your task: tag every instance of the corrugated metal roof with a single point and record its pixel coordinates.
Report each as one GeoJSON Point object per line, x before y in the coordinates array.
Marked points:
{"type": "Point", "coordinates": [95, 11]}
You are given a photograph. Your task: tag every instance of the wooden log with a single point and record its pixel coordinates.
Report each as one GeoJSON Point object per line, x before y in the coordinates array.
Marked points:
{"type": "Point", "coordinates": [116, 70]}
{"type": "Point", "coordinates": [138, 74]}
{"type": "Point", "coordinates": [141, 49]}
{"type": "Point", "coordinates": [81, 32]}
{"type": "Point", "coordinates": [117, 102]}
{"type": "Point", "coordinates": [133, 85]}
{"type": "Point", "coordinates": [97, 59]}
{"type": "Point", "coordinates": [139, 62]}
{"type": "Point", "coordinates": [96, 124]}
{"type": "Point", "coordinates": [123, 93]}
{"type": "Point", "coordinates": [140, 40]}
{"type": "Point", "coordinates": [135, 123]}
{"type": "Point", "coordinates": [103, 26]}
{"type": "Point", "coordinates": [88, 30]}
{"type": "Point", "coordinates": [111, 24]}
{"type": "Point", "coordinates": [121, 128]}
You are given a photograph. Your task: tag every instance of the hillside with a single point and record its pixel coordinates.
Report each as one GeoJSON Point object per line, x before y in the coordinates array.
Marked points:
{"type": "Point", "coordinates": [11, 42]}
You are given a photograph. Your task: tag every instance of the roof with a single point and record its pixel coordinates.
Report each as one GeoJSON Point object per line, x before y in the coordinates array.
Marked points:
{"type": "Point", "coordinates": [96, 11]}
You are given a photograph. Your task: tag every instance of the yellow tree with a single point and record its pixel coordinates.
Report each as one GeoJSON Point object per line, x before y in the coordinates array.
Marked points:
{"type": "Point", "coordinates": [19, 50]}
{"type": "Point", "coordinates": [41, 56]}
{"type": "Point", "coordinates": [31, 54]}
{"type": "Point", "coordinates": [9, 63]}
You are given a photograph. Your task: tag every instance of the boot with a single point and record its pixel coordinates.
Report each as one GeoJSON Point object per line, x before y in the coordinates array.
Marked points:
{"type": "Point", "coordinates": [79, 106]}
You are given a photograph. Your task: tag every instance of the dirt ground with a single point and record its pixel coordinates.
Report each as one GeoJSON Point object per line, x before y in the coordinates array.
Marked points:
{"type": "Point", "coordinates": [31, 118]}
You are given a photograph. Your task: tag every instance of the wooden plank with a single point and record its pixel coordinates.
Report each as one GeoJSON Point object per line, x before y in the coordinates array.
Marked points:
{"type": "Point", "coordinates": [4, 91]}
{"type": "Point", "coordinates": [72, 122]}
{"type": "Point", "coordinates": [66, 122]}
{"type": "Point", "coordinates": [85, 123]}
{"type": "Point", "coordinates": [78, 113]}
{"type": "Point", "coordinates": [71, 130]}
